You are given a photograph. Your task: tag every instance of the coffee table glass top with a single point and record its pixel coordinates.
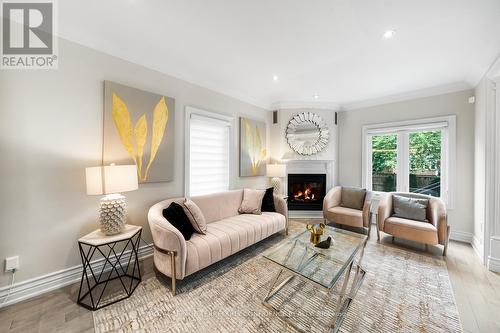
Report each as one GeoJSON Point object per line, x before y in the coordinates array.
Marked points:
{"type": "Point", "coordinates": [323, 266]}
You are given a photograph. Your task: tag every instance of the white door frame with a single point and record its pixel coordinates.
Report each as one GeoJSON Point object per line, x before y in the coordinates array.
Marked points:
{"type": "Point", "coordinates": [491, 253]}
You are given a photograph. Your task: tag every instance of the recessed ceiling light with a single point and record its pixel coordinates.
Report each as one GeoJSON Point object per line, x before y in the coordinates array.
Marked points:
{"type": "Point", "coordinates": [389, 34]}
{"type": "Point", "coordinates": [315, 96]}
{"type": "Point", "coordinates": [275, 78]}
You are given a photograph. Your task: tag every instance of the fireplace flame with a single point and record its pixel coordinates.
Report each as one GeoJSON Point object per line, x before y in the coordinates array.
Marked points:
{"type": "Point", "coordinates": [304, 195]}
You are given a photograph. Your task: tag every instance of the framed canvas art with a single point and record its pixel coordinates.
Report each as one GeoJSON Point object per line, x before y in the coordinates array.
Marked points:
{"type": "Point", "coordinates": [139, 129]}
{"type": "Point", "coordinates": [252, 147]}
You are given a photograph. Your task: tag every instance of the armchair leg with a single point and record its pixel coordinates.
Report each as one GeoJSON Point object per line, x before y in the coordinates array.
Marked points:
{"type": "Point", "coordinates": [369, 225]}
{"type": "Point", "coordinates": [173, 271]}
{"type": "Point", "coordinates": [446, 241]}
{"type": "Point", "coordinates": [376, 226]}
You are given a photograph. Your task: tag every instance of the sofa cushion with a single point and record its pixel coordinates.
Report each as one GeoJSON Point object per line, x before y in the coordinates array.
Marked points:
{"type": "Point", "coordinates": [352, 197]}
{"type": "Point", "coordinates": [268, 201]}
{"type": "Point", "coordinates": [218, 206]}
{"type": "Point", "coordinates": [228, 236]}
{"type": "Point", "coordinates": [410, 208]}
{"type": "Point", "coordinates": [175, 214]}
{"type": "Point", "coordinates": [252, 201]}
{"type": "Point", "coordinates": [195, 216]}
{"type": "Point", "coordinates": [417, 231]}
{"type": "Point", "coordinates": [346, 216]}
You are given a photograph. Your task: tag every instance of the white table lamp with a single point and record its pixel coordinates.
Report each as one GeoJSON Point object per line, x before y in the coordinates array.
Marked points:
{"type": "Point", "coordinates": [276, 172]}
{"type": "Point", "coordinates": [110, 180]}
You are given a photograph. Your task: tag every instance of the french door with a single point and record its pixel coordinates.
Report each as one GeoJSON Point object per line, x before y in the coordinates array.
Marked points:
{"type": "Point", "coordinates": [407, 159]}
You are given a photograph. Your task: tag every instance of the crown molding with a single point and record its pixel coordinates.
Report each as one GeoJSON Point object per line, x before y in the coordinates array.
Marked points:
{"type": "Point", "coordinates": [202, 83]}
{"type": "Point", "coordinates": [422, 93]}
{"type": "Point", "coordinates": [305, 105]}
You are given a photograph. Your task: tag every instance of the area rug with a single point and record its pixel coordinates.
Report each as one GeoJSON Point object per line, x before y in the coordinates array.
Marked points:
{"type": "Point", "coordinates": [402, 292]}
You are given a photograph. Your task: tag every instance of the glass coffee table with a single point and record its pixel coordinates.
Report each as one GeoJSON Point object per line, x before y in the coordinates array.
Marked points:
{"type": "Point", "coordinates": [323, 268]}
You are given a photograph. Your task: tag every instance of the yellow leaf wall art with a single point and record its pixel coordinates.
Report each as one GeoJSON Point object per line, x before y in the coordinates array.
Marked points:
{"type": "Point", "coordinates": [121, 118]}
{"type": "Point", "coordinates": [253, 152]}
{"type": "Point", "coordinates": [160, 119]}
{"type": "Point", "coordinates": [138, 129]}
{"type": "Point", "coordinates": [141, 135]}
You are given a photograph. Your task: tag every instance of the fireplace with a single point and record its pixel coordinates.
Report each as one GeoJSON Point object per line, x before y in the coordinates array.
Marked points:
{"type": "Point", "coordinates": [306, 191]}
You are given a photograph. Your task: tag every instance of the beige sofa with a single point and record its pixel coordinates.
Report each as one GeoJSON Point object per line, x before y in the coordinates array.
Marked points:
{"type": "Point", "coordinates": [227, 233]}
{"type": "Point", "coordinates": [436, 231]}
{"type": "Point", "coordinates": [334, 212]}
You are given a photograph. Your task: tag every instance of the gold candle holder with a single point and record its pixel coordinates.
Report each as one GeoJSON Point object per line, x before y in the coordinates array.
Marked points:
{"type": "Point", "coordinates": [316, 232]}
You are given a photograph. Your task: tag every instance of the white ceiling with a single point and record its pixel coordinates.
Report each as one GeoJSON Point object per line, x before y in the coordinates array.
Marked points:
{"type": "Point", "coordinates": [330, 47]}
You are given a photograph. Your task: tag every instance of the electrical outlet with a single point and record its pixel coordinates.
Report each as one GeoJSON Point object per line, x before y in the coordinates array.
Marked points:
{"type": "Point", "coordinates": [11, 263]}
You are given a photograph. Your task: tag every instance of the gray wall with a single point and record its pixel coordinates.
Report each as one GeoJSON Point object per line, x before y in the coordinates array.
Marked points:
{"type": "Point", "coordinates": [350, 135]}
{"type": "Point", "coordinates": [51, 129]}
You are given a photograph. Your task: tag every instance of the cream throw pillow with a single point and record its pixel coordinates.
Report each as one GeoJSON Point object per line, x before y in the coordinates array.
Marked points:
{"type": "Point", "coordinates": [195, 216]}
{"type": "Point", "coordinates": [252, 201]}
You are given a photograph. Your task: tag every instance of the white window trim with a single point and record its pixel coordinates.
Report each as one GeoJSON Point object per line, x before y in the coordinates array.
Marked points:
{"type": "Point", "coordinates": [192, 110]}
{"type": "Point", "coordinates": [448, 158]}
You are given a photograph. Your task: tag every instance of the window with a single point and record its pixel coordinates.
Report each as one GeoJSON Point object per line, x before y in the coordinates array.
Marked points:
{"type": "Point", "coordinates": [410, 156]}
{"type": "Point", "coordinates": [208, 152]}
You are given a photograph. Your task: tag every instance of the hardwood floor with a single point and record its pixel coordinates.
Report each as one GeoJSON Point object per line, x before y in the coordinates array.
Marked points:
{"type": "Point", "coordinates": [477, 294]}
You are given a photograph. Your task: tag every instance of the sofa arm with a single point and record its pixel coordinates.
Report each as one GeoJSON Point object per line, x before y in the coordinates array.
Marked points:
{"type": "Point", "coordinates": [366, 209]}
{"type": "Point", "coordinates": [332, 199]}
{"type": "Point", "coordinates": [439, 218]}
{"type": "Point", "coordinates": [281, 207]}
{"type": "Point", "coordinates": [384, 209]}
{"type": "Point", "coordinates": [167, 238]}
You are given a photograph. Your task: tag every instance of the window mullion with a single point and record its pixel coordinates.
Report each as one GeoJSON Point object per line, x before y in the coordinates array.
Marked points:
{"type": "Point", "coordinates": [444, 165]}
{"type": "Point", "coordinates": [403, 165]}
{"type": "Point", "coordinates": [369, 163]}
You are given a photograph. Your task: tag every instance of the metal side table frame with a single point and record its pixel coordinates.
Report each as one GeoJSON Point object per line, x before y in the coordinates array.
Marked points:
{"type": "Point", "coordinates": [116, 265]}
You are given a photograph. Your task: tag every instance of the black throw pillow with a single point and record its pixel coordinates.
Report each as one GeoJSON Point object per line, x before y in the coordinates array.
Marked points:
{"type": "Point", "coordinates": [177, 217]}
{"type": "Point", "coordinates": [268, 201]}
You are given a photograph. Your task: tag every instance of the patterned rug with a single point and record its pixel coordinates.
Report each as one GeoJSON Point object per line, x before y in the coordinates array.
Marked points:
{"type": "Point", "coordinates": [402, 292]}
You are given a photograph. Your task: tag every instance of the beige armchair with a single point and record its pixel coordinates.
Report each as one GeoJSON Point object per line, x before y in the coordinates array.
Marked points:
{"type": "Point", "coordinates": [334, 212]}
{"type": "Point", "coordinates": [434, 232]}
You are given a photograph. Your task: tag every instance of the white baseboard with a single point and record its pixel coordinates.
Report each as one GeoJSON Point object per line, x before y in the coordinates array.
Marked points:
{"type": "Point", "coordinates": [461, 236]}
{"type": "Point", "coordinates": [494, 255]}
{"type": "Point", "coordinates": [494, 264]}
{"type": "Point", "coordinates": [305, 214]}
{"type": "Point", "coordinates": [45, 283]}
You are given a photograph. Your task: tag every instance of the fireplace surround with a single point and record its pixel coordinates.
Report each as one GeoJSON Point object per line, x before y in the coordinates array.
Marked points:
{"type": "Point", "coordinates": [306, 191]}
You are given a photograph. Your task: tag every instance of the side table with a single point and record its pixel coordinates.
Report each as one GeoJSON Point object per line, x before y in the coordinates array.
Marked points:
{"type": "Point", "coordinates": [117, 272]}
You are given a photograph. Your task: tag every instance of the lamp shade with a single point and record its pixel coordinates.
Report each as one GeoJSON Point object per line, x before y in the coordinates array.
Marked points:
{"type": "Point", "coordinates": [276, 170]}
{"type": "Point", "coordinates": [111, 179]}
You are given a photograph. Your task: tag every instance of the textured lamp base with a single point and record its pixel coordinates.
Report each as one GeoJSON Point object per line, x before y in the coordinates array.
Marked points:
{"type": "Point", "coordinates": [113, 214]}
{"type": "Point", "coordinates": [276, 183]}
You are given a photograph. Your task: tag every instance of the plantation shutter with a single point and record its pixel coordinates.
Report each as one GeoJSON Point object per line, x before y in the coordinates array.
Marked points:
{"type": "Point", "coordinates": [208, 155]}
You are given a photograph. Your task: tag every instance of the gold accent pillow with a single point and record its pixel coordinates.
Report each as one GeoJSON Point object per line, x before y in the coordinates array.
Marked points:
{"type": "Point", "coordinates": [195, 216]}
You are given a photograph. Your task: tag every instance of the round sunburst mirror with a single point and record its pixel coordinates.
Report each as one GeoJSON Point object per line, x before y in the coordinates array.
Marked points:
{"type": "Point", "coordinates": [307, 133]}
